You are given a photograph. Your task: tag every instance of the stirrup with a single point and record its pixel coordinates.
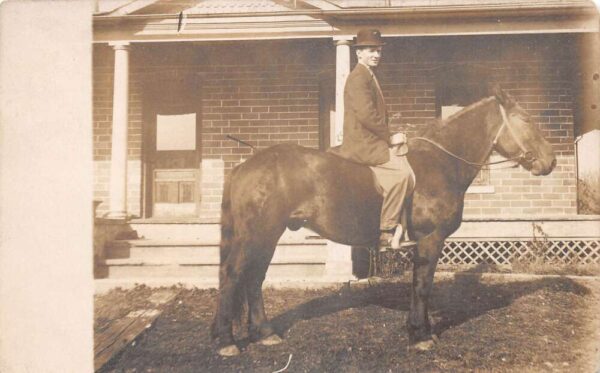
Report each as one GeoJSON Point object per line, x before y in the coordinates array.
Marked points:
{"type": "Point", "coordinates": [401, 241]}
{"type": "Point", "coordinates": [402, 246]}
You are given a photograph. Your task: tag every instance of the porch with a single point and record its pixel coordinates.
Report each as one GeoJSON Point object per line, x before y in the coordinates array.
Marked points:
{"type": "Point", "coordinates": [169, 88]}
{"type": "Point", "coordinates": [186, 252]}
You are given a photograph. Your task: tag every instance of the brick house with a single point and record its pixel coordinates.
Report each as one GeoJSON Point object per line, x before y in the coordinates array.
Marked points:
{"type": "Point", "coordinates": [172, 79]}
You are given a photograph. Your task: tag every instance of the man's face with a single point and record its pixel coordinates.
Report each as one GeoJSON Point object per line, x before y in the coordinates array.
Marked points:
{"type": "Point", "coordinates": [369, 56]}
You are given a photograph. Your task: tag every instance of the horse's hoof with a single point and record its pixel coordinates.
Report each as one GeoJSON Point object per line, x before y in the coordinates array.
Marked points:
{"type": "Point", "coordinates": [424, 345]}
{"type": "Point", "coordinates": [231, 350]}
{"type": "Point", "coordinates": [271, 340]}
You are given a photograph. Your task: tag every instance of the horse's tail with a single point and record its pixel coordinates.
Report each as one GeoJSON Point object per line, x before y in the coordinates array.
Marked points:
{"type": "Point", "coordinates": [226, 222]}
{"type": "Point", "coordinates": [225, 250]}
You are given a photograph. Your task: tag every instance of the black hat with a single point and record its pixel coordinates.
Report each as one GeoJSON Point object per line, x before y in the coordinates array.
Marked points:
{"type": "Point", "coordinates": [368, 38]}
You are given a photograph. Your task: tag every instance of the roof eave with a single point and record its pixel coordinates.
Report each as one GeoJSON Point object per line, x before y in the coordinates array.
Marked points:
{"type": "Point", "coordinates": [539, 10]}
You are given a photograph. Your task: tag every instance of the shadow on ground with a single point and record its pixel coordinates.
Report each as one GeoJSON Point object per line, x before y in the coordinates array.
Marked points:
{"type": "Point", "coordinates": [363, 329]}
{"type": "Point", "coordinates": [453, 301]}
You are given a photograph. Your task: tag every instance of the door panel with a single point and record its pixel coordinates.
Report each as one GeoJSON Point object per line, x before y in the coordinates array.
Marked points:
{"type": "Point", "coordinates": [175, 192]}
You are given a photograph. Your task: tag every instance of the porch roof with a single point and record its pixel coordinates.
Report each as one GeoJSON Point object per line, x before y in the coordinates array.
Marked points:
{"type": "Point", "coordinates": [181, 20]}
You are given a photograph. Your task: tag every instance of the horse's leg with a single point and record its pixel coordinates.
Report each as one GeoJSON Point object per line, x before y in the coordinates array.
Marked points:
{"type": "Point", "coordinates": [259, 327]}
{"type": "Point", "coordinates": [425, 260]}
{"type": "Point", "coordinates": [230, 301]}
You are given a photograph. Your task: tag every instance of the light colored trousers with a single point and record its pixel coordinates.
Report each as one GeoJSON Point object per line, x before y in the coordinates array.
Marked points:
{"type": "Point", "coordinates": [397, 181]}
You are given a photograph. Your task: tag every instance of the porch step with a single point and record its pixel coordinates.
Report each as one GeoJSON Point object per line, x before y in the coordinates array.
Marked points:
{"type": "Point", "coordinates": [159, 252]}
{"type": "Point", "coordinates": [298, 256]}
{"type": "Point", "coordinates": [208, 233]}
{"type": "Point", "coordinates": [180, 231]}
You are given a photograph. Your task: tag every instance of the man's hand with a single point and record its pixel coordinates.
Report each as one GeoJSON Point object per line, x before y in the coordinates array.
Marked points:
{"type": "Point", "coordinates": [398, 139]}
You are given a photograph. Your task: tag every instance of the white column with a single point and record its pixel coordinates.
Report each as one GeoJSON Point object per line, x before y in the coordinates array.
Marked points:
{"type": "Point", "coordinates": [342, 69]}
{"type": "Point", "coordinates": [118, 160]}
{"type": "Point", "coordinates": [338, 266]}
{"type": "Point", "coordinates": [588, 125]}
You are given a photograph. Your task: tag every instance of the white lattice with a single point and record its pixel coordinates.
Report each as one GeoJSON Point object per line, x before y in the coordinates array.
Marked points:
{"type": "Point", "coordinates": [504, 252]}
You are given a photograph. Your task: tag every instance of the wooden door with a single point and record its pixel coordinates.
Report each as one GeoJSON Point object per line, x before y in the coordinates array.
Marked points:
{"type": "Point", "coordinates": [172, 146]}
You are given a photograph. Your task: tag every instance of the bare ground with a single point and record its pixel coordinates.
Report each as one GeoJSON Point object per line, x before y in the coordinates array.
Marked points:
{"type": "Point", "coordinates": [484, 325]}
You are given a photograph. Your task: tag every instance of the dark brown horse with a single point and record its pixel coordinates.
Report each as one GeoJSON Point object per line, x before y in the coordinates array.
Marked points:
{"type": "Point", "coordinates": [288, 186]}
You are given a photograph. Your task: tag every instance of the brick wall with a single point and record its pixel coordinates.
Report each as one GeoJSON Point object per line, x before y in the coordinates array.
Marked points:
{"type": "Point", "coordinates": [268, 93]}
{"type": "Point", "coordinates": [265, 95]}
{"type": "Point", "coordinates": [263, 105]}
{"type": "Point", "coordinates": [536, 70]}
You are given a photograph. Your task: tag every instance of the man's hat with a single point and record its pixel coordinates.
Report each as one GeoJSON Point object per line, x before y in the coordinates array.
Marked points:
{"type": "Point", "coordinates": [368, 38]}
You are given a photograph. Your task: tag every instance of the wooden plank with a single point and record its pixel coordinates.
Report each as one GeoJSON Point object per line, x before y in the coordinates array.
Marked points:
{"type": "Point", "coordinates": [124, 330]}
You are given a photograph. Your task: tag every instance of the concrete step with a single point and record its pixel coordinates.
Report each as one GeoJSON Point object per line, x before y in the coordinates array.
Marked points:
{"type": "Point", "coordinates": [177, 231]}
{"type": "Point", "coordinates": [182, 231]}
{"type": "Point", "coordinates": [205, 272]}
{"type": "Point", "coordinates": [137, 252]}
{"type": "Point", "coordinates": [171, 251]}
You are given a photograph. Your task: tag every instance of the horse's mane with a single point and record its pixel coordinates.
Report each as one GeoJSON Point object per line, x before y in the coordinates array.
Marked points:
{"type": "Point", "coordinates": [437, 124]}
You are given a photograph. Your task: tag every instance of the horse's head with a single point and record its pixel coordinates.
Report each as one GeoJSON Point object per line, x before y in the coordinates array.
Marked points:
{"type": "Point", "coordinates": [520, 137]}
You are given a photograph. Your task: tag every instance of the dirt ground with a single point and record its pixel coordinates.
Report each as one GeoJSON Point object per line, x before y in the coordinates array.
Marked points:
{"type": "Point", "coordinates": [484, 325]}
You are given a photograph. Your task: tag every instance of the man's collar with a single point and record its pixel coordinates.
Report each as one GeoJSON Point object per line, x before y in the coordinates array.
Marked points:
{"type": "Point", "coordinates": [365, 65]}
{"type": "Point", "coordinates": [369, 68]}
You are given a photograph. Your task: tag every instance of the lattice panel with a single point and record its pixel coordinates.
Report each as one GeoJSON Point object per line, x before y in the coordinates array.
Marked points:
{"type": "Point", "coordinates": [505, 252]}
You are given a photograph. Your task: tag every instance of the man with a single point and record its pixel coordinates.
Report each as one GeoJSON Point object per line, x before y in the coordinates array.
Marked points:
{"type": "Point", "coordinates": [367, 138]}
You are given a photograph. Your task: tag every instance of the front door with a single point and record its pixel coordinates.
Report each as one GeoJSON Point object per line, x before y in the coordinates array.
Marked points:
{"type": "Point", "coordinates": [172, 128]}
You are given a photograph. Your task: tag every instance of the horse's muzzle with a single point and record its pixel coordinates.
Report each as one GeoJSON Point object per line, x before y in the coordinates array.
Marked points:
{"type": "Point", "coordinates": [540, 167]}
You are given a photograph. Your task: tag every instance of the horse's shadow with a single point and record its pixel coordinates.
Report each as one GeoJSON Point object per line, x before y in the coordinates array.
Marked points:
{"type": "Point", "coordinates": [453, 302]}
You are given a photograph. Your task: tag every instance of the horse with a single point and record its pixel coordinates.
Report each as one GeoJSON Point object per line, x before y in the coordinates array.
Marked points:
{"type": "Point", "coordinates": [290, 186]}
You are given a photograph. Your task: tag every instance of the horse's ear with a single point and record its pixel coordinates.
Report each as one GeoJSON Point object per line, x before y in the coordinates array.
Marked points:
{"type": "Point", "coordinates": [503, 98]}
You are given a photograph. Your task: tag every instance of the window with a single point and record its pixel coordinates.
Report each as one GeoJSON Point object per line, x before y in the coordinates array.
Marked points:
{"type": "Point", "coordinates": [176, 132]}
{"type": "Point", "coordinates": [460, 85]}
{"type": "Point", "coordinates": [457, 86]}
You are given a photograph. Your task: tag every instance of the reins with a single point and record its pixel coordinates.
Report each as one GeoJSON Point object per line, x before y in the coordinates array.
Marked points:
{"type": "Point", "coordinates": [505, 123]}
{"type": "Point", "coordinates": [474, 164]}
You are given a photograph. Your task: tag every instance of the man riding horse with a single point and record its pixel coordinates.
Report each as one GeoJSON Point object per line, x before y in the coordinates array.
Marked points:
{"type": "Point", "coordinates": [367, 139]}
{"type": "Point", "coordinates": [288, 186]}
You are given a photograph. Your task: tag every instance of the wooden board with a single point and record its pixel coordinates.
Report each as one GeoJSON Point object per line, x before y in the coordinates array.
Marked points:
{"type": "Point", "coordinates": [124, 330]}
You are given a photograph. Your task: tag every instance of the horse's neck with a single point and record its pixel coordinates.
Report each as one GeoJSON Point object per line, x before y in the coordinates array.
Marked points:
{"type": "Point", "coordinates": [469, 135]}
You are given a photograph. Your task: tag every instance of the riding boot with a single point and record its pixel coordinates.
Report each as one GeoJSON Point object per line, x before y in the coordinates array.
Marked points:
{"type": "Point", "coordinates": [385, 240]}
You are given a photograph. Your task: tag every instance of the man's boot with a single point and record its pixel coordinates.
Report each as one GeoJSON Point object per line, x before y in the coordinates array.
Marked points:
{"type": "Point", "coordinates": [385, 240]}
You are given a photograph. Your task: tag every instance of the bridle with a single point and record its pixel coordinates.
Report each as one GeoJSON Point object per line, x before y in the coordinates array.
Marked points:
{"type": "Point", "coordinates": [524, 155]}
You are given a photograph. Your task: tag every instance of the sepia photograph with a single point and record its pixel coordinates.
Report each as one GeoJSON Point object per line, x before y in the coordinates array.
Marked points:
{"type": "Point", "coordinates": [300, 186]}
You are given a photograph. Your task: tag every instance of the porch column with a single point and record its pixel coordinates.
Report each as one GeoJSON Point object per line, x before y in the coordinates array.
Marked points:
{"type": "Point", "coordinates": [118, 160]}
{"type": "Point", "coordinates": [588, 125]}
{"type": "Point", "coordinates": [338, 266]}
{"type": "Point", "coordinates": [342, 69]}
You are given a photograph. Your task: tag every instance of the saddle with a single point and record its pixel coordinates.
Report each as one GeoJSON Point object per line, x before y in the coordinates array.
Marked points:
{"type": "Point", "coordinates": [386, 177]}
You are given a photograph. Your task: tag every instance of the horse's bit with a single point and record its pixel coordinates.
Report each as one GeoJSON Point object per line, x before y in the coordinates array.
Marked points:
{"type": "Point", "coordinates": [524, 155]}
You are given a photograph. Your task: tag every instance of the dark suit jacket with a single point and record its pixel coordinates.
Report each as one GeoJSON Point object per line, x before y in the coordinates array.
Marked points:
{"type": "Point", "coordinates": [366, 132]}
